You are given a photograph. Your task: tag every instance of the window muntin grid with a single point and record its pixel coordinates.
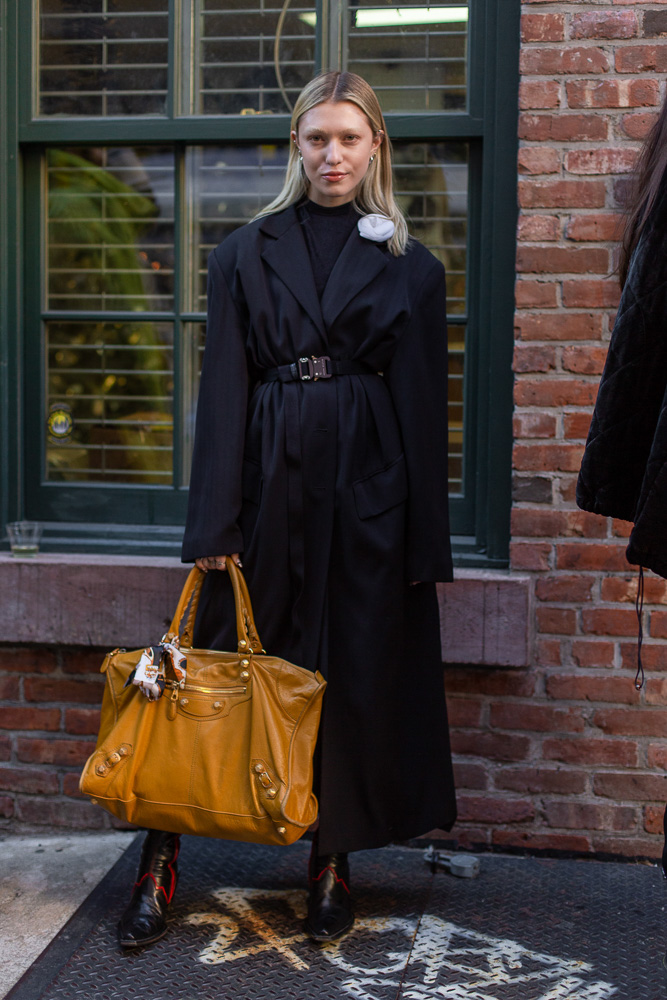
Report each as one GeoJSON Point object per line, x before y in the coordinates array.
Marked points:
{"type": "Point", "coordinates": [116, 380]}
{"type": "Point", "coordinates": [252, 57]}
{"type": "Point", "coordinates": [121, 390]}
{"type": "Point", "coordinates": [110, 228]}
{"type": "Point", "coordinates": [412, 65]}
{"type": "Point", "coordinates": [431, 186]}
{"type": "Point", "coordinates": [134, 267]}
{"type": "Point", "coordinates": [103, 57]}
{"type": "Point", "coordinates": [109, 58]}
{"type": "Point", "coordinates": [455, 402]}
{"type": "Point", "coordinates": [227, 186]}
{"type": "Point", "coordinates": [492, 86]}
{"type": "Point", "coordinates": [194, 339]}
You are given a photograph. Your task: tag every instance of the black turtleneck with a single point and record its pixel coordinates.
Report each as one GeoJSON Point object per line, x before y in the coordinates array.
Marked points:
{"type": "Point", "coordinates": [326, 231]}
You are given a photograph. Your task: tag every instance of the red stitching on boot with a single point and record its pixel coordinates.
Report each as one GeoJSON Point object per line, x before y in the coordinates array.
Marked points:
{"type": "Point", "coordinates": [161, 888]}
{"type": "Point", "coordinates": [333, 872]}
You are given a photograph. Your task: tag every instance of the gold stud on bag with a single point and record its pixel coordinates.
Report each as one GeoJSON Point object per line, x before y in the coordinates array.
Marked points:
{"type": "Point", "coordinates": [228, 755]}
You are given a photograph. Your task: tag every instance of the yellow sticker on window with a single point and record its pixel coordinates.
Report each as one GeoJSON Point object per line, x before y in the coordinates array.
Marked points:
{"type": "Point", "coordinates": [60, 423]}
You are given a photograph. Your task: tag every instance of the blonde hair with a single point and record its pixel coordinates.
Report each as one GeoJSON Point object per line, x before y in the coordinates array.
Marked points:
{"type": "Point", "coordinates": [375, 194]}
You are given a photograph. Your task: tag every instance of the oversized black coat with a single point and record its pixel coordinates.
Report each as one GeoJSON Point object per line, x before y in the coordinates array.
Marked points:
{"type": "Point", "coordinates": [335, 493]}
{"type": "Point", "coordinates": [624, 468]}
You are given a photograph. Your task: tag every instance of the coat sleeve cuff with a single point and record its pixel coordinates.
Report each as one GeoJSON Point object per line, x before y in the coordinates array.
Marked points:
{"type": "Point", "coordinates": [222, 545]}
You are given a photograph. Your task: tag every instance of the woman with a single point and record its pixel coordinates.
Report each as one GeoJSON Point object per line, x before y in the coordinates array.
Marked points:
{"type": "Point", "coordinates": [624, 469]}
{"type": "Point", "coordinates": [321, 455]}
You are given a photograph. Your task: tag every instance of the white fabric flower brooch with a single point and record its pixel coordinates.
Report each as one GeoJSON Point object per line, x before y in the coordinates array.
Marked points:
{"type": "Point", "coordinates": [376, 227]}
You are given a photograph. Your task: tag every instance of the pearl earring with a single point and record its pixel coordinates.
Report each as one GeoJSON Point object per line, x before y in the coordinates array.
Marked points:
{"type": "Point", "coordinates": [372, 158]}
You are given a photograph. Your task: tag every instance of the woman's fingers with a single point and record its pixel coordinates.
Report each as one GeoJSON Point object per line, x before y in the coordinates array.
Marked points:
{"type": "Point", "coordinates": [205, 563]}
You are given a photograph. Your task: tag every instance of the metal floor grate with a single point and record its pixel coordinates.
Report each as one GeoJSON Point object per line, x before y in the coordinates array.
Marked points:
{"type": "Point", "coordinates": [525, 929]}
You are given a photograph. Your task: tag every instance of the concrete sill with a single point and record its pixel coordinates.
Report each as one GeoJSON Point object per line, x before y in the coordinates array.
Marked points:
{"type": "Point", "coordinates": [111, 600]}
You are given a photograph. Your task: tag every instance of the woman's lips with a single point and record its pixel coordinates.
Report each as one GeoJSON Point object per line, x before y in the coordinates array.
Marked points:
{"type": "Point", "coordinates": [332, 176]}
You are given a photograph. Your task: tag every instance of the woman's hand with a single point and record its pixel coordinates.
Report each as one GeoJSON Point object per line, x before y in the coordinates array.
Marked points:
{"type": "Point", "coordinates": [205, 563]}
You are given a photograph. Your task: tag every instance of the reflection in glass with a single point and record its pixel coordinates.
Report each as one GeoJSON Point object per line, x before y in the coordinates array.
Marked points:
{"type": "Point", "coordinates": [227, 186]}
{"type": "Point", "coordinates": [414, 56]}
{"type": "Point", "coordinates": [431, 186]}
{"type": "Point", "coordinates": [194, 337]}
{"type": "Point", "coordinates": [103, 57]}
{"type": "Point", "coordinates": [455, 405]}
{"type": "Point", "coordinates": [116, 381]}
{"type": "Point", "coordinates": [252, 58]}
{"type": "Point", "coordinates": [110, 240]}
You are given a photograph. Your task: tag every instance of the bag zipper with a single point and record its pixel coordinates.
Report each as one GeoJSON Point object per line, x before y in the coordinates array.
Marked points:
{"type": "Point", "coordinates": [239, 689]}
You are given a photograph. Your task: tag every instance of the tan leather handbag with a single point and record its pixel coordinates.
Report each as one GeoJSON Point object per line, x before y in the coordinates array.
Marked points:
{"type": "Point", "coordinates": [228, 755]}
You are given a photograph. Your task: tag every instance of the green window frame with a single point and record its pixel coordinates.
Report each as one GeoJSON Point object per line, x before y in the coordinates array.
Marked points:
{"type": "Point", "coordinates": [114, 518]}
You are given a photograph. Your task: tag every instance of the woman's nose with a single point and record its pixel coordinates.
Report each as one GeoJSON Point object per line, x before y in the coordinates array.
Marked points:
{"type": "Point", "coordinates": [334, 154]}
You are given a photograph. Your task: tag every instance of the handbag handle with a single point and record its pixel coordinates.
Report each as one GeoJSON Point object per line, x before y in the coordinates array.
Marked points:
{"type": "Point", "coordinates": [246, 630]}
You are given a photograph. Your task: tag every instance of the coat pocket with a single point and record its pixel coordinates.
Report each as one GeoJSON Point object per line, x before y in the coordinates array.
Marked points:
{"type": "Point", "coordinates": [251, 481]}
{"type": "Point", "coordinates": [382, 490]}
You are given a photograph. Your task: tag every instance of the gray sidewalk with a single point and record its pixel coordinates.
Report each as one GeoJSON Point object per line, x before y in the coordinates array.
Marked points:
{"type": "Point", "coordinates": [43, 880]}
{"type": "Point", "coordinates": [524, 929]}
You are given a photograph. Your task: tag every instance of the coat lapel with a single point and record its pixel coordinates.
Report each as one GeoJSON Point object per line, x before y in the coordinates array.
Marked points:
{"type": "Point", "coordinates": [360, 261]}
{"type": "Point", "coordinates": [288, 255]}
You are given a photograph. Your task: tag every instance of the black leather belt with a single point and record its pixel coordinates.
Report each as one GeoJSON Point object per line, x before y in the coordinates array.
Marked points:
{"type": "Point", "coordinates": [312, 369]}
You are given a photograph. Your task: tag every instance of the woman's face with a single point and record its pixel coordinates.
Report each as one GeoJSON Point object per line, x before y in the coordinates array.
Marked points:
{"type": "Point", "coordinates": [336, 142]}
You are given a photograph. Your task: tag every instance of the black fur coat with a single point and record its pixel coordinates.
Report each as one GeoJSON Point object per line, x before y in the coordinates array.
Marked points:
{"type": "Point", "coordinates": [624, 468]}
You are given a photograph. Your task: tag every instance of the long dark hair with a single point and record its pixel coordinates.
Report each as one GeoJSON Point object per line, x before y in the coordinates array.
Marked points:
{"type": "Point", "coordinates": [648, 179]}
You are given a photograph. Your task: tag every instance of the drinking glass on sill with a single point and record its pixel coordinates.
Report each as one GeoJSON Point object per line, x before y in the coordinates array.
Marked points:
{"type": "Point", "coordinates": [24, 538]}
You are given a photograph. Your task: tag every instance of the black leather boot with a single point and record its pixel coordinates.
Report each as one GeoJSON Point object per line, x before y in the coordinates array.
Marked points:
{"type": "Point", "coordinates": [329, 905]}
{"type": "Point", "coordinates": [145, 919]}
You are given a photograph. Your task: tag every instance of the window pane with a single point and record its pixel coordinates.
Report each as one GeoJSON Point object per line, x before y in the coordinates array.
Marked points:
{"type": "Point", "coordinates": [227, 186]}
{"type": "Point", "coordinates": [415, 55]}
{"type": "Point", "coordinates": [241, 66]}
{"type": "Point", "coordinates": [455, 403]}
{"type": "Point", "coordinates": [110, 228]}
{"type": "Point", "coordinates": [431, 186]}
{"type": "Point", "coordinates": [103, 57]}
{"type": "Point", "coordinates": [113, 382]}
{"type": "Point", "coordinates": [194, 337]}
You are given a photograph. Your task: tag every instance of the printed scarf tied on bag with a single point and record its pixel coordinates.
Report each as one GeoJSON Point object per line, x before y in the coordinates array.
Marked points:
{"type": "Point", "coordinates": [150, 673]}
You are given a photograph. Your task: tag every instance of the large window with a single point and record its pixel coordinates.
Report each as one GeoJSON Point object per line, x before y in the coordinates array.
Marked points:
{"type": "Point", "coordinates": [153, 128]}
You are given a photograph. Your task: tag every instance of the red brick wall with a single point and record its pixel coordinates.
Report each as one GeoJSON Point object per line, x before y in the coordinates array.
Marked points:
{"type": "Point", "coordinates": [570, 755]}
{"type": "Point", "coordinates": [49, 715]}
